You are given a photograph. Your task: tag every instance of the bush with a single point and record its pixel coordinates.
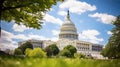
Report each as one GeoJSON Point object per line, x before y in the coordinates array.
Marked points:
{"type": "Point", "coordinates": [36, 52]}
{"type": "Point", "coordinates": [52, 50]}
{"type": "Point", "coordinates": [49, 51]}
{"type": "Point", "coordinates": [79, 55]}
{"type": "Point", "coordinates": [68, 51]}
{"type": "Point", "coordinates": [24, 46]}
{"type": "Point", "coordinates": [65, 53]}
{"type": "Point", "coordinates": [18, 51]}
{"type": "Point", "coordinates": [28, 52]}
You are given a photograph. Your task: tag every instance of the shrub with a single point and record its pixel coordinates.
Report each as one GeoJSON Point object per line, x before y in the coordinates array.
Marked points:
{"type": "Point", "coordinates": [18, 51]}
{"type": "Point", "coordinates": [65, 53]}
{"type": "Point", "coordinates": [36, 52]}
{"type": "Point", "coordinates": [52, 50]}
{"type": "Point", "coordinates": [79, 55]}
{"type": "Point", "coordinates": [24, 46]}
{"type": "Point", "coordinates": [68, 51]}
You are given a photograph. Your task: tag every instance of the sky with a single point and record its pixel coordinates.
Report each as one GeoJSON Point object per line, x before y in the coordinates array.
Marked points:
{"type": "Point", "coordinates": [92, 18]}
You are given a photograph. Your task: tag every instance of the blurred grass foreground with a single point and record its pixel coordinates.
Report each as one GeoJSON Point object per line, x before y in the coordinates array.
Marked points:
{"type": "Point", "coordinates": [57, 62]}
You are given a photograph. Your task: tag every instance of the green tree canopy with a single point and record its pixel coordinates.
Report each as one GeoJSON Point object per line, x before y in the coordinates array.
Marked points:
{"type": "Point", "coordinates": [112, 49]}
{"type": "Point", "coordinates": [49, 51]}
{"type": "Point", "coordinates": [52, 50]}
{"type": "Point", "coordinates": [36, 52]}
{"type": "Point", "coordinates": [65, 52]}
{"type": "Point", "coordinates": [26, 12]}
{"type": "Point", "coordinates": [68, 51]}
{"type": "Point", "coordinates": [25, 45]}
{"type": "Point", "coordinates": [71, 48]}
{"type": "Point", "coordinates": [18, 51]}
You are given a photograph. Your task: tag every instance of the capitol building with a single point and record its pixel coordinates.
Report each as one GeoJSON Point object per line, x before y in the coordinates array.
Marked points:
{"type": "Point", "coordinates": [68, 36]}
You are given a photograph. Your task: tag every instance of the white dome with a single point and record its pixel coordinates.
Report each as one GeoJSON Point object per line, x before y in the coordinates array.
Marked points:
{"type": "Point", "coordinates": [68, 30]}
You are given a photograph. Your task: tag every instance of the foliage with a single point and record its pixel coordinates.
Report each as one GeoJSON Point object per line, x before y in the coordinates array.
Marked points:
{"type": "Point", "coordinates": [52, 50]}
{"type": "Point", "coordinates": [65, 53]}
{"type": "Point", "coordinates": [25, 45]}
{"type": "Point", "coordinates": [28, 52]}
{"type": "Point", "coordinates": [49, 51]}
{"type": "Point", "coordinates": [36, 52]}
{"type": "Point", "coordinates": [28, 12]}
{"type": "Point", "coordinates": [57, 62]}
{"type": "Point", "coordinates": [18, 51]}
{"type": "Point", "coordinates": [112, 49]}
{"type": "Point", "coordinates": [109, 51]}
{"type": "Point", "coordinates": [79, 55]}
{"type": "Point", "coordinates": [68, 51]}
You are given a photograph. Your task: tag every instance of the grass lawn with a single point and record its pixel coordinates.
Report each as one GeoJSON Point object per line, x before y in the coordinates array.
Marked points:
{"type": "Point", "coordinates": [56, 62]}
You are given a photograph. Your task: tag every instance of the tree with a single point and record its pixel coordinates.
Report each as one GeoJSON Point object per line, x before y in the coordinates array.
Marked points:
{"type": "Point", "coordinates": [112, 49]}
{"type": "Point", "coordinates": [25, 45]}
{"type": "Point", "coordinates": [49, 51]}
{"type": "Point", "coordinates": [28, 12]}
{"type": "Point", "coordinates": [18, 51]}
{"type": "Point", "coordinates": [68, 51]}
{"type": "Point", "coordinates": [36, 52]}
{"type": "Point", "coordinates": [52, 50]}
{"type": "Point", "coordinates": [71, 48]}
{"type": "Point", "coordinates": [65, 53]}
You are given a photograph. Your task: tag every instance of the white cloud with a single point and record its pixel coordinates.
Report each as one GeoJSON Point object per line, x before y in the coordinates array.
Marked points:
{"type": "Point", "coordinates": [20, 36]}
{"type": "Point", "coordinates": [62, 13]}
{"type": "Point", "coordinates": [109, 33]}
{"type": "Point", "coordinates": [34, 36]}
{"type": "Point", "coordinates": [30, 36]}
{"type": "Point", "coordinates": [90, 36]}
{"type": "Point", "coordinates": [38, 37]}
{"type": "Point", "coordinates": [20, 28]}
{"type": "Point", "coordinates": [51, 19]}
{"type": "Point", "coordinates": [54, 38]}
{"type": "Point", "coordinates": [55, 32]}
{"type": "Point", "coordinates": [78, 7]}
{"type": "Point", "coordinates": [103, 17]}
{"type": "Point", "coordinates": [6, 41]}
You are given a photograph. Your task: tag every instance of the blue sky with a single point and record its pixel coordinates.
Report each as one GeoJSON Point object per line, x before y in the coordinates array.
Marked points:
{"type": "Point", "coordinates": [91, 17]}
